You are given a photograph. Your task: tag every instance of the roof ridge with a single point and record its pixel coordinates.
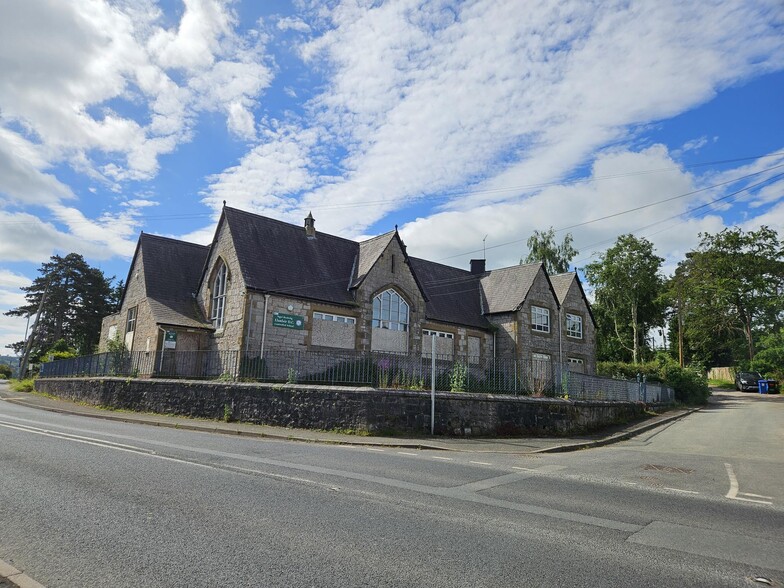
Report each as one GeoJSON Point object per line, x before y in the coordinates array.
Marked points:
{"type": "Point", "coordinates": [519, 265]}
{"type": "Point", "coordinates": [154, 236]}
{"type": "Point", "coordinates": [288, 224]}
{"type": "Point", "coordinates": [452, 267]}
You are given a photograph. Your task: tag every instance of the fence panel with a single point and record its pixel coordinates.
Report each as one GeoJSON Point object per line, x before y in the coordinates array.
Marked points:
{"type": "Point", "coordinates": [378, 370]}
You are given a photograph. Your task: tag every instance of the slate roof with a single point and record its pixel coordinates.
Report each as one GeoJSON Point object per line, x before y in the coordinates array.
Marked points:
{"type": "Point", "coordinates": [369, 252]}
{"type": "Point", "coordinates": [172, 270]}
{"type": "Point", "coordinates": [276, 256]}
{"type": "Point", "coordinates": [453, 294]}
{"type": "Point", "coordinates": [561, 284]}
{"type": "Point", "coordinates": [505, 289]}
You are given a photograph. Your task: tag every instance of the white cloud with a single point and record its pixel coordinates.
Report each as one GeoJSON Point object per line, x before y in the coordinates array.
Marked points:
{"type": "Point", "coordinates": [292, 23]}
{"type": "Point", "coordinates": [426, 100]}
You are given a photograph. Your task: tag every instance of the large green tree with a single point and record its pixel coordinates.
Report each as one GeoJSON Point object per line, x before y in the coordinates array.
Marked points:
{"type": "Point", "coordinates": [627, 287]}
{"type": "Point", "coordinates": [732, 292]}
{"type": "Point", "coordinates": [78, 296]}
{"type": "Point", "coordinates": [543, 247]}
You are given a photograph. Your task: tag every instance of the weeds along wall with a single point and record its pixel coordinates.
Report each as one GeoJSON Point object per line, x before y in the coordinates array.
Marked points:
{"type": "Point", "coordinates": [358, 409]}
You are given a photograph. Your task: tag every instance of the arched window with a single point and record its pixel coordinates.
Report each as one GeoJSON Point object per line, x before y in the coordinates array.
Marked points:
{"type": "Point", "coordinates": [390, 311]}
{"type": "Point", "coordinates": [218, 300]}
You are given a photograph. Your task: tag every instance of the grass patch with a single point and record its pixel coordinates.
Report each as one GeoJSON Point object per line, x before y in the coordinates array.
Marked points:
{"type": "Point", "coordinates": [721, 384]}
{"type": "Point", "coordinates": [22, 385]}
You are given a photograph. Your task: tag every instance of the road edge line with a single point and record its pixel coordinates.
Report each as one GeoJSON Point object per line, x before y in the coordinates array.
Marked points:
{"type": "Point", "coordinates": [17, 578]}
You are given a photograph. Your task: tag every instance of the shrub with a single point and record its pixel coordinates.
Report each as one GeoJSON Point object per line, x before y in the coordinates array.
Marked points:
{"type": "Point", "coordinates": [22, 385]}
{"type": "Point", "coordinates": [690, 385]}
{"type": "Point", "coordinates": [458, 377]}
{"type": "Point", "coordinates": [5, 371]}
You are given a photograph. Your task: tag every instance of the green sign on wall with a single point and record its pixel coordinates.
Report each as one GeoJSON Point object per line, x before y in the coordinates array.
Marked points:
{"type": "Point", "coordinates": [288, 321]}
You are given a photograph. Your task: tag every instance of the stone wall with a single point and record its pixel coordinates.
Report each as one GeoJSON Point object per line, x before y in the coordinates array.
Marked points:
{"type": "Point", "coordinates": [584, 348]}
{"type": "Point", "coordinates": [231, 335]}
{"type": "Point", "coordinates": [361, 409]}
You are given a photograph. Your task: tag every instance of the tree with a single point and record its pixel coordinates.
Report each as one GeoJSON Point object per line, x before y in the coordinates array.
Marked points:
{"type": "Point", "coordinates": [542, 247]}
{"type": "Point", "coordinates": [5, 371]}
{"type": "Point", "coordinates": [733, 284]}
{"type": "Point", "coordinates": [627, 285]}
{"type": "Point", "coordinates": [78, 298]}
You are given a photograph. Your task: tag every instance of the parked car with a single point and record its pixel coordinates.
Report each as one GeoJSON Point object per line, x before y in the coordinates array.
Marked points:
{"type": "Point", "coordinates": [748, 381]}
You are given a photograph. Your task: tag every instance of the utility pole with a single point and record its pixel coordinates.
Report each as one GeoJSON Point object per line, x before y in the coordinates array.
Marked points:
{"type": "Point", "coordinates": [31, 338]}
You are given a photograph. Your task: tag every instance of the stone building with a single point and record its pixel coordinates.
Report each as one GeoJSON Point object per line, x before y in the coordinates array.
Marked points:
{"type": "Point", "coordinates": [264, 285]}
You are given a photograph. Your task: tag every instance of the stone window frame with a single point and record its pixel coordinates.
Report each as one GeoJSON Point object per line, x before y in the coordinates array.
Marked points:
{"type": "Point", "coordinates": [130, 320]}
{"type": "Point", "coordinates": [569, 332]}
{"type": "Point", "coordinates": [322, 315]}
{"type": "Point", "coordinates": [379, 323]}
{"type": "Point", "coordinates": [218, 294]}
{"type": "Point", "coordinates": [537, 326]}
{"type": "Point", "coordinates": [576, 361]}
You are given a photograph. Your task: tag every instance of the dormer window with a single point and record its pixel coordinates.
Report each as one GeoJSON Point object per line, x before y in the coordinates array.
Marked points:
{"type": "Point", "coordinates": [218, 300]}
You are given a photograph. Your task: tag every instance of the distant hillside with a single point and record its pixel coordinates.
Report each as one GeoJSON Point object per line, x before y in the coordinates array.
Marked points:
{"type": "Point", "coordinates": [11, 360]}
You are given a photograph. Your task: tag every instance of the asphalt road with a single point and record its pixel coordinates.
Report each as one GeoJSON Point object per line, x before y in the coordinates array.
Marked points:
{"type": "Point", "coordinates": [86, 502]}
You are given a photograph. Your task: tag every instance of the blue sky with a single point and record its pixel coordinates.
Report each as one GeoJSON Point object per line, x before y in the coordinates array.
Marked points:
{"type": "Point", "coordinates": [454, 121]}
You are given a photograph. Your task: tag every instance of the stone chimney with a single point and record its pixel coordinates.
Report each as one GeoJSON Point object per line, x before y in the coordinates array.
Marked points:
{"type": "Point", "coordinates": [477, 266]}
{"type": "Point", "coordinates": [310, 226]}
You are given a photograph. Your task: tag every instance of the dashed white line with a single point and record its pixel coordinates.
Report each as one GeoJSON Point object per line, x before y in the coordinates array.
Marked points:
{"type": "Point", "coordinates": [680, 490]}
{"type": "Point", "coordinates": [408, 453]}
{"type": "Point", "coordinates": [373, 449]}
{"type": "Point", "coordinates": [523, 469]}
{"type": "Point", "coordinates": [755, 495]}
{"type": "Point", "coordinates": [443, 458]}
{"type": "Point", "coordinates": [480, 462]}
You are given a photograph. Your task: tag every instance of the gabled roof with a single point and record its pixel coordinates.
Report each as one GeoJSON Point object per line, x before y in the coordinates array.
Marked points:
{"type": "Point", "coordinates": [505, 289]}
{"type": "Point", "coordinates": [452, 294]}
{"type": "Point", "coordinates": [369, 252]}
{"type": "Point", "coordinates": [561, 284]}
{"type": "Point", "coordinates": [276, 256]}
{"type": "Point", "coordinates": [172, 270]}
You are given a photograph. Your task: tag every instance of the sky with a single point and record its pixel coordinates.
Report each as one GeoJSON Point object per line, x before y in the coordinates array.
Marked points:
{"type": "Point", "coordinates": [468, 125]}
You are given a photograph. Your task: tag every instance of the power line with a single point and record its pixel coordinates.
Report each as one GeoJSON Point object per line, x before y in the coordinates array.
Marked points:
{"type": "Point", "coordinates": [635, 209]}
{"type": "Point", "coordinates": [447, 194]}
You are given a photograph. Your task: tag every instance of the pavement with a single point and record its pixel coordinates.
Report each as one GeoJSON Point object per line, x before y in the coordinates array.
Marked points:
{"type": "Point", "coordinates": [517, 445]}
{"type": "Point", "coordinates": [13, 578]}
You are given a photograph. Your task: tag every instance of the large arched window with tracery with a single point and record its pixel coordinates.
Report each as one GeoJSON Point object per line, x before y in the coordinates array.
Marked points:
{"type": "Point", "coordinates": [218, 299]}
{"type": "Point", "coordinates": [390, 311]}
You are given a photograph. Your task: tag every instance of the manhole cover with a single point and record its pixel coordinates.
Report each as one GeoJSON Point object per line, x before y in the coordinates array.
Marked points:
{"type": "Point", "coordinates": [667, 469]}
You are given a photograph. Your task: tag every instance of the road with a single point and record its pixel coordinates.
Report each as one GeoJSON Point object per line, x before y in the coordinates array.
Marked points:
{"type": "Point", "coordinates": [87, 502]}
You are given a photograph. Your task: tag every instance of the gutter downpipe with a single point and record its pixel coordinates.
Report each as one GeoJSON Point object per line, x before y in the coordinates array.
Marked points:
{"type": "Point", "coordinates": [250, 320]}
{"type": "Point", "coordinates": [560, 346]}
{"type": "Point", "coordinates": [264, 326]}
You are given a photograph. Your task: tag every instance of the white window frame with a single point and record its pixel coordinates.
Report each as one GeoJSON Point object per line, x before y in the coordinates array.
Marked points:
{"type": "Point", "coordinates": [540, 319]}
{"type": "Point", "coordinates": [218, 296]}
{"type": "Point", "coordinates": [573, 320]}
{"type": "Point", "coordinates": [576, 361]}
{"type": "Point", "coordinates": [130, 321]}
{"type": "Point", "coordinates": [444, 334]}
{"type": "Point", "coordinates": [391, 311]}
{"type": "Point", "coordinates": [338, 318]}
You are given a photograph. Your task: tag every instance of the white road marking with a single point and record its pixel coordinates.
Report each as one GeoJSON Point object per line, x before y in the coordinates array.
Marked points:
{"type": "Point", "coordinates": [523, 469]}
{"type": "Point", "coordinates": [373, 449]}
{"type": "Point", "coordinates": [679, 490]}
{"type": "Point", "coordinates": [408, 453]}
{"type": "Point", "coordinates": [755, 495]}
{"type": "Point", "coordinates": [480, 462]}
{"type": "Point", "coordinates": [443, 458]}
{"type": "Point", "coordinates": [752, 500]}
{"type": "Point", "coordinates": [733, 493]}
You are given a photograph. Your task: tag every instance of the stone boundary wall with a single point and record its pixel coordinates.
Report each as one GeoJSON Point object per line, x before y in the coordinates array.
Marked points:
{"type": "Point", "coordinates": [360, 409]}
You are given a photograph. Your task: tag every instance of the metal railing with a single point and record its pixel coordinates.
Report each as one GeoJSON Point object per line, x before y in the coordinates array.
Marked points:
{"type": "Point", "coordinates": [377, 370]}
